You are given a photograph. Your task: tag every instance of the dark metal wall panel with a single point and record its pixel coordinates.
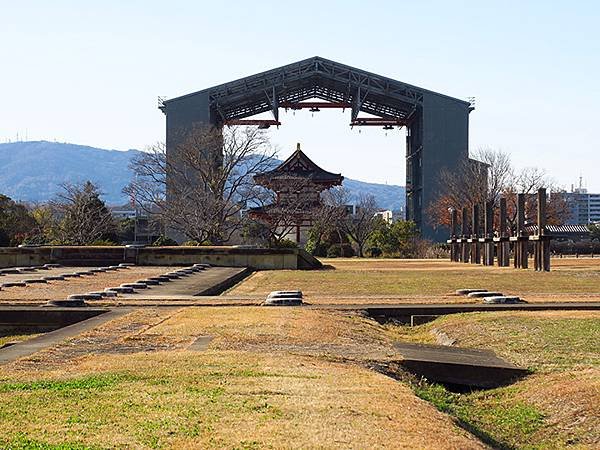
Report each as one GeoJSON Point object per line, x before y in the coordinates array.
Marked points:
{"type": "Point", "coordinates": [445, 146]}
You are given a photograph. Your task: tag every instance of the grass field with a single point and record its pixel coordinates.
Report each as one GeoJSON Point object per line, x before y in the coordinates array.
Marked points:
{"type": "Point", "coordinates": [557, 406]}
{"type": "Point", "coordinates": [314, 378]}
{"type": "Point", "coordinates": [427, 281]}
{"type": "Point", "coordinates": [268, 380]}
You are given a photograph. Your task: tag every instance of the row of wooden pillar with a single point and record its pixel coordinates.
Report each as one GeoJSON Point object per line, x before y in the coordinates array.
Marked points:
{"type": "Point", "coordinates": [486, 246]}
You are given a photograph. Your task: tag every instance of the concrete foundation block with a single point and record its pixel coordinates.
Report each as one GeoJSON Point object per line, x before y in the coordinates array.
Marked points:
{"type": "Point", "coordinates": [120, 290]}
{"type": "Point", "coordinates": [484, 294]}
{"type": "Point", "coordinates": [283, 302]}
{"type": "Point", "coordinates": [502, 299]}
{"type": "Point", "coordinates": [469, 291]}
{"type": "Point", "coordinates": [84, 297]}
{"type": "Point", "coordinates": [149, 282]}
{"type": "Point", "coordinates": [66, 303]}
{"type": "Point", "coordinates": [54, 278]}
{"type": "Point", "coordinates": [135, 285]}
{"type": "Point", "coordinates": [13, 284]}
{"type": "Point", "coordinates": [35, 281]}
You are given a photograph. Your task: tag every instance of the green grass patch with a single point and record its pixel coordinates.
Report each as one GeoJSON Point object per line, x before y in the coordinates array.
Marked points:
{"type": "Point", "coordinates": [22, 442]}
{"type": "Point", "coordinates": [494, 416]}
{"type": "Point", "coordinates": [84, 383]}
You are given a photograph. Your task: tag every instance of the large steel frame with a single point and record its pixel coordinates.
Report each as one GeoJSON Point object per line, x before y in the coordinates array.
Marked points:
{"type": "Point", "coordinates": [437, 125]}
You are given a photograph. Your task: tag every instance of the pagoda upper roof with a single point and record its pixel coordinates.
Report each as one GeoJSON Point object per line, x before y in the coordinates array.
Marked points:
{"type": "Point", "coordinates": [301, 166]}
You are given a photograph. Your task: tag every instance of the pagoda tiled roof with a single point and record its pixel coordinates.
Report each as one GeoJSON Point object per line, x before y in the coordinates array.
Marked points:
{"type": "Point", "coordinates": [300, 165]}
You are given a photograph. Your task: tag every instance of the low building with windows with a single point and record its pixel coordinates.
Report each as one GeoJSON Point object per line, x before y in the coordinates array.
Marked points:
{"type": "Point", "coordinates": [584, 207]}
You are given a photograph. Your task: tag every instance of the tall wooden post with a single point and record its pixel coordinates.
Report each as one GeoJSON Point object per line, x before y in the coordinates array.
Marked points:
{"type": "Point", "coordinates": [543, 240]}
{"type": "Point", "coordinates": [453, 241]}
{"type": "Point", "coordinates": [503, 243]}
{"type": "Point", "coordinates": [475, 249]}
{"type": "Point", "coordinates": [522, 241]}
{"type": "Point", "coordinates": [488, 258]}
{"type": "Point", "coordinates": [465, 235]}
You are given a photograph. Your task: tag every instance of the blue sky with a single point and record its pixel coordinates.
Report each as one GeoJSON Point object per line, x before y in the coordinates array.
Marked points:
{"type": "Point", "coordinates": [90, 72]}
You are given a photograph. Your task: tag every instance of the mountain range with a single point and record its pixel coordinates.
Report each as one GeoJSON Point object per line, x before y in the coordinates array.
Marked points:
{"type": "Point", "coordinates": [33, 171]}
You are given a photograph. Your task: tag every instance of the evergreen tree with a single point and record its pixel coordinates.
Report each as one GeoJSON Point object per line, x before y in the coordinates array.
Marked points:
{"type": "Point", "coordinates": [84, 216]}
{"type": "Point", "coordinates": [15, 222]}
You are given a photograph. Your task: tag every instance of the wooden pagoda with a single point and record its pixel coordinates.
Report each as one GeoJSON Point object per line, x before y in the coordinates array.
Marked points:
{"type": "Point", "coordinates": [297, 183]}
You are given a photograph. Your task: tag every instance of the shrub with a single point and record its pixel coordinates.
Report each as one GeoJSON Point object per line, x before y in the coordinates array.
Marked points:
{"type": "Point", "coordinates": [164, 241]}
{"type": "Point", "coordinates": [316, 249]}
{"type": "Point", "coordinates": [4, 239]}
{"type": "Point", "coordinates": [102, 243]}
{"type": "Point", "coordinates": [286, 243]}
{"type": "Point", "coordinates": [422, 248]}
{"type": "Point", "coordinates": [438, 251]}
{"type": "Point", "coordinates": [191, 243]}
{"type": "Point", "coordinates": [334, 251]}
{"type": "Point", "coordinates": [347, 250]}
{"type": "Point", "coordinates": [374, 252]}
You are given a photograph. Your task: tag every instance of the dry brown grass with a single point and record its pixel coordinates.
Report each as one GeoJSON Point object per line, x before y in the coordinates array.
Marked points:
{"type": "Point", "coordinates": [330, 334]}
{"type": "Point", "coordinates": [570, 402]}
{"type": "Point", "coordinates": [426, 281]}
{"type": "Point", "coordinates": [223, 399]}
{"type": "Point", "coordinates": [272, 377]}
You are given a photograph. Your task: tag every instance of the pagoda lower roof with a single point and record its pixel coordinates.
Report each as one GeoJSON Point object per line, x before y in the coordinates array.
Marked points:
{"type": "Point", "coordinates": [298, 165]}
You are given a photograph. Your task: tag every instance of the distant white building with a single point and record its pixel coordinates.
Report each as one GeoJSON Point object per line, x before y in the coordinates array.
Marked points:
{"type": "Point", "coordinates": [123, 213]}
{"type": "Point", "coordinates": [386, 215]}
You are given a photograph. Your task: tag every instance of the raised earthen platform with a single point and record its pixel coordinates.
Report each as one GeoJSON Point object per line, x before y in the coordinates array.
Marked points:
{"type": "Point", "coordinates": [231, 256]}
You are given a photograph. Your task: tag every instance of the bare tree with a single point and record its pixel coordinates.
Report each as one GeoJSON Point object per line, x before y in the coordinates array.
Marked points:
{"type": "Point", "coordinates": [476, 181]}
{"type": "Point", "coordinates": [361, 225]}
{"type": "Point", "coordinates": [329, 214]}
{"type": "Point", "coordinates": [202, 190]}
{"type": "Point", "coordinates": [527, 182]}
{"type": "Point", "coordinates": [84, 218]}
{"type": "Point", "coordinates": [490, 177]}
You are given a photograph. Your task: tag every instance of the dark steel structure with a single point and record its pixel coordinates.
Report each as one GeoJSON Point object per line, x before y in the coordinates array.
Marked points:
{"type": "Point", "coordinates": [437, 125]}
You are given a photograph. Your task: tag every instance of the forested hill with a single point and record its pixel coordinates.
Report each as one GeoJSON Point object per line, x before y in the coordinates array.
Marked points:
{"type": "Point", "coordinates": [33, 171]}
